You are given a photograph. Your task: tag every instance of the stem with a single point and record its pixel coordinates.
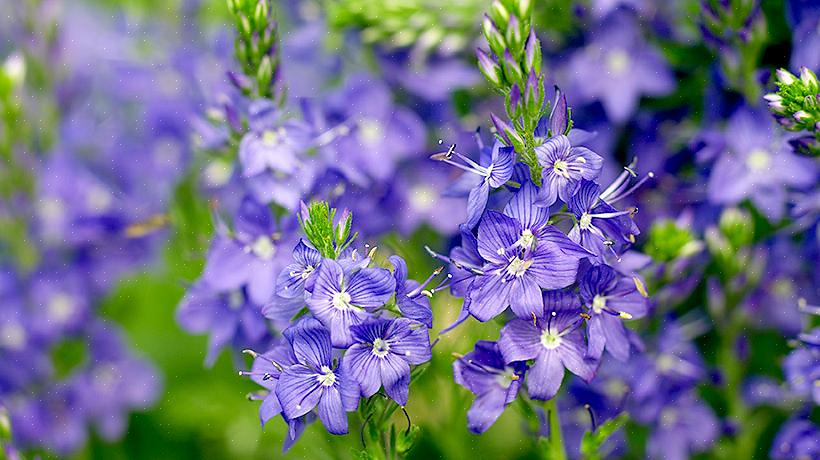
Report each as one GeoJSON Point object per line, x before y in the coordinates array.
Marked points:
{"type": "Point", "coordinates": [556, 446]}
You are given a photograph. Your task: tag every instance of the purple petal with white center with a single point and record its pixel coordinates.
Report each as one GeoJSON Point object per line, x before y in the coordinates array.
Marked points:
{"type": "Point", "coordinates": [299, 391]}
{"type": "Point", "coordinates": [496, 234]}
{"type": "Point", "coordinates": [363, 366]}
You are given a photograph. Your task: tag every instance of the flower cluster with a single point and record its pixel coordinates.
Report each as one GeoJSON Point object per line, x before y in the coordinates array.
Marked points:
{"type": "Point", "coordinates": [362, 329]}
{"type": "Point", "coordinates": [552, 280]}
{"type": "Point", "coordinates": [797, 108]}
{"type": "Point", "coordinates": [77, 217]}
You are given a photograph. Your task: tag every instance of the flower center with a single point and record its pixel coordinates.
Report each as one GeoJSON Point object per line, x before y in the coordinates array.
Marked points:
{"type": "Point", "coordinates": [327, 378]}
{"type": "Point", "coordinates": [263, 248]}
{"type": "Point", "coordinates": [598, 303]}
{"type": "Point", "coordinates": [759, 160]}
{"type": "Point", "coordinates": [668, 417]}
{"type": "Point", "coordinates": [380, 348]}
{"type": "Point", "coordinates": [60, 307]}
{"type": "Point", "coordinates": [561, 168]}
{"type": "Point", "coordinates": [617, 61]}
{"type": "Point", "coordinates": [585, 222]}
{"type": "Point", "coordinates": [527, 239]}
{"type": "Point", "coordinates": [370, 130]}
{"type": "Point", "coordinates": [341, 300]}
{"type": "Point", "coordinates": [12, 336]}
{"type": "Point", "coordinates": [506, 378]}
{"type": "Point", "coordinates": [518, 267]}
{"type": "Point", "coordinates": [422, 197]}
{"type": "Point", "coordinates": [236, 300]}
{"type": "Point", "coordinates": [550, 340]}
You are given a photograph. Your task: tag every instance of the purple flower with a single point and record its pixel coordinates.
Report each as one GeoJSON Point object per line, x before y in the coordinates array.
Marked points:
{"type": "Point", "coordinates": [313, 381]}
{"type": "Point", "coordinates": [265, 371]}
{"type": "Point", "coordinates": [802, 369]}
{"type": "Point", "coordinates": [340, 300]}
{"type": "Point", "coordinates": [550, 337]}
{"type": "Point", "coordinates": [382, 353]}
{"type": "Point", "coordinates": [517, 268]}
{"type": "Point", "coordinates": [798, 439]}
{"type": "Point", "coordinates": [493, 172]}
{"type": "Point", "coordinates": [683, 427]}
{"type": "Point", "coordinates": [618, 67]}
{"type": "Point", "coordinates": [610, 297]}
{"type": "Point", "coordinates": [599, 227]}
{"type": "Point", "coordinates": [295, 276]}
{"type": "Point", "coordinates": [411, 301]}
{"type": "Point", "coordinates": [495, 384]}
{"type": "Point", "coordinates": [564, 166]}
{"type": "Point", "coordinates": [249, 257]}
{"type": "Point", "coordinates": [227, 316]}
{"type": "Point", "coordinates": [758, 164]}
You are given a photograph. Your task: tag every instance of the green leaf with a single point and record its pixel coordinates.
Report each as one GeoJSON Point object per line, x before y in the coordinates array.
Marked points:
{"type": "Point", "coordinates": [407, 439]}
{"type": "Point", "coordinates": [593, 441]}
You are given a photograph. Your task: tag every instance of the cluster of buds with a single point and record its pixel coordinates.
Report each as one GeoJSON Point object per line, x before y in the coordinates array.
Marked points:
{"type": "Point", "coordinates": [513, 67]}
{"type": "Point", "coordinates": [796, 105]}
{"type": "Point", "coordinates": [329, 238]}
{"type": "Point", "coordinates": [256, 48]}
{"type": "Point", "coordinates": [737, 31]}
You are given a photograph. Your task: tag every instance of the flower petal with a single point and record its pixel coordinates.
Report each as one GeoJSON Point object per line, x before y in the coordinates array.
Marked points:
{"type": "Point", "coordinates": [331, 412]}
{"type": "Point", "coordinates": [396, 378]}
{"type": "Point", "coordinates": [545, 376]}
{"type": "Point", "coordinates": [520, 340]}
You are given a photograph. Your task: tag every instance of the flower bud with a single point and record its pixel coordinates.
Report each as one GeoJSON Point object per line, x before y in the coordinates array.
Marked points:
{"type": "Point", "coordinates": [514, 100]}
{"type": "Point", "coordinates": [515, 40]}
{"type": "Point", "coordinates": [809, 79]}
{"type": "Point", "coordinates": [493, 36]}
{"type": "Point", "coordinates": [785, 77]}
{"type": "Point", "coordinates": [488, 67]}
{"type": "Point", "coordinates": [499, 13]}
{"type": "Point", "coordinates": [801, 116]}
{"type": "Point", "coordinates": [532, 52]}
{"type": "Point", "coordinates": [512, 71]}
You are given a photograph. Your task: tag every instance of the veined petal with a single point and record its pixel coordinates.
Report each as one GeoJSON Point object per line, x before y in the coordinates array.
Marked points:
{"type": "Point", "coordinates": [363, 366]}
{"type": "Point", "coordinates": [340, 324]}
{"type": "Point", "coordinates": [597, 339]}
{"type": "Point", "coordinates": [617, 341]}
{"type": "Point", "coordinates": [546, 375]}
{"type": "Point", "coordinates": [520, 340]}
{"type": "Point", "coordinates": [331, 412]}
{"type": "Point", "coordinates": [369, 288]}
{"type": "Point", "coordinates": [497, 233]}
{"type": "Point", "coordinates": [409, 340]}
{"type": "Point", "coordinates": [525, 298]}
{"type": "Point", "coordinates": [298, 391]}
{"type": "Point", "coordinates": [522, 207]}
{"type": "Point", "coordinates": [476, 203]}
{"type": "Point", "coordinates": [552, 268]}
{"type": "Point", "coordinates": [489, 297]}
{"type": "Point", "coordinates": [396, 378]}
{"type": "Point", "coordinates": [502, 167]}
{"type": "Point", "coordinates": [269, 408]}
{"type": "Point", "coordinates": [310, 341]}
{"type": "Point", "coordinates": [572, 352]}
{"type": "Point", "coordinates": [485, 411]}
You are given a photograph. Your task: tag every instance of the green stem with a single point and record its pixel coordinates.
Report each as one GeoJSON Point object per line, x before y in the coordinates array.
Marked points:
{"type": "Point", "coordinates": [556, 447]}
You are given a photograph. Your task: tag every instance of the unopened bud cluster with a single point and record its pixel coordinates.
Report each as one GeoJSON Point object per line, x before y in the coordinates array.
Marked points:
{"type": "Point", "coordinates": [256, 48]}
{"type": "Point", "coordinates": [796, 104]}
{"type": "Point", "coordinates": [513, 66]}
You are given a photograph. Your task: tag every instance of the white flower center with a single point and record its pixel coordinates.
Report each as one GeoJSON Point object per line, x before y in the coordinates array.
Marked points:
{"type": "Point", "coordinates": [270, 138]}
{"type": "Point", "coordinates": [422, 197]}
{"type": "Point", "coordinates": [263, 248]}
{"type": "Point", "coordinates": [561, 168]}
{"type": "Point", "coordinates": [527, 239]}
{"type": "Point", "coordinates": [370, 130]}
{"type": "Point", "coordinates": [518, 267]}
{"type": "Point", "coordinates": [598, 303]}
{"type": "Point", "coordinates": [60, 307]}
{"type": "Point", "coordinates": [12, 336]}
{"type": "Point", "coordinates": [380, 348]}
{"type": "Point", "coordinates": [668, 417]}
{"type": "Point", "coordinates": [327, 378]}
{"type": "Point", "coordinates": [506, 378]}
{"type": "Point", "coordinates": [341, 300]}
{"type": "Point", "coordinates": [218, 173]}
{"type": "Point", "coordinates": [236, 300]}
{"type": "Point", "coordinates": [617, 62]}
{"type": "Point", "coordinates": [550, 340]}
{"type": "Point", "coordinates": [759, 160]}
{"type": "Point", "coordinates": [585, 222]}
{"type": "Point", "coordinates": [98, 199]}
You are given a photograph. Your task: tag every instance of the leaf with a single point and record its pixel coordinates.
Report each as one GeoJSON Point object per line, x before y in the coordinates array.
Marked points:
{"type": "Point", "coordinates": [592, 441]}
{"type": "Point", "coordinates": [407, 439]}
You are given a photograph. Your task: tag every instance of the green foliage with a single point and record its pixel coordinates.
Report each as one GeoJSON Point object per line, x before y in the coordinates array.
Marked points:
{"type": "Point", "coordinates": [67, 356]}
{"type": "Point", "coordinates": [316, 220]}
{"type": "Point", "coordinates": [593, 441]}
{"type": "Point", "coordinates": [668, 241]}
